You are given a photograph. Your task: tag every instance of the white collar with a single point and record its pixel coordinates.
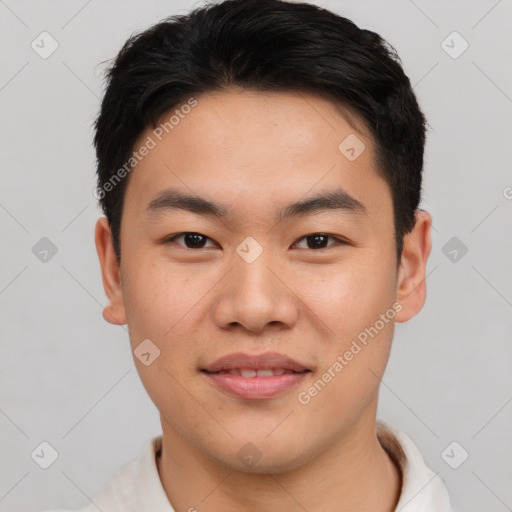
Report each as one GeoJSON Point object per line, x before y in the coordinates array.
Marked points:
{"type": "Point", "coordinates": [422, 489]}
{"type": "Point", "coordinates": [137, 487]}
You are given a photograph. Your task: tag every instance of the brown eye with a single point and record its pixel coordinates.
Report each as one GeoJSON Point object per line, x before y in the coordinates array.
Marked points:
{"type": "Point", "coordinates": [319, 241]}
{"type": "Point", "coordinates": [190, 240]}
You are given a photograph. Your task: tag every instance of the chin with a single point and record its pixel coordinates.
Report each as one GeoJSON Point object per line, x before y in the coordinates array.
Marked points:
{"type": "Point", "coordinates": [249, 458]}
{"type": "Point", "coordinates": [264, 467]}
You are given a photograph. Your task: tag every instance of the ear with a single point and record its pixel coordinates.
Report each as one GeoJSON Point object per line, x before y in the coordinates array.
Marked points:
{"type": "Point", "coordinates": [411, 285]}
{"type": "Point", "coordinates": [115, 312]}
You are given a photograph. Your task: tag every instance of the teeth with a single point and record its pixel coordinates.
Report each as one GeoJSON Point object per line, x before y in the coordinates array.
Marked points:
{"type": "Point", "coordinates": [265, 373]}
{"type": "Point", "coordinates": [250, 373]}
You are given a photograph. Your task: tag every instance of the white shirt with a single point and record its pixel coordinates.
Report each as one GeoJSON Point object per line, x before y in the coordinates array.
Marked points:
{"type": "Point", "coordinates": [136, 486]}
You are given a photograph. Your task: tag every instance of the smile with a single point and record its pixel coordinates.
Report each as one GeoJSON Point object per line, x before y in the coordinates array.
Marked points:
{"type": "Point", "coordinates": [250, 373]}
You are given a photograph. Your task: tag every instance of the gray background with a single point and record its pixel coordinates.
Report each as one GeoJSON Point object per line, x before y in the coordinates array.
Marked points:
{"type": "Point", "coordinates": [67, 377]}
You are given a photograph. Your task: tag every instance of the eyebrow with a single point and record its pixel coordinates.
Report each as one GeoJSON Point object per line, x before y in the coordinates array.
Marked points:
{"type": "Point", "coordinates": [334, 200]}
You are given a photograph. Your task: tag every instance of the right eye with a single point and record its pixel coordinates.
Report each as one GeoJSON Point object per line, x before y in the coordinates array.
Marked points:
{"type": "Point", "coordinates": [191, 240]}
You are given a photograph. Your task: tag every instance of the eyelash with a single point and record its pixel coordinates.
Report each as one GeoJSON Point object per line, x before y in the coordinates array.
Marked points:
{"type": "Point", "coordinates": [339, 241]}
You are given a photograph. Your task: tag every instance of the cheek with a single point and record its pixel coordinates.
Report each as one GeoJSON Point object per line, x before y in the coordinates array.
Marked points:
{"type": "Point", "coordinates": [161, 301]}
{"type": "Point", "coordinates": [349, 377]}
{"type": "Point", "coordinates": [165, 306]}
{"type": "Point", "coordinates": [158, 299]}
{"type": "Point", "coordinates": [351, 303]}
{"type": "Point", "coordinates": [352, 296]}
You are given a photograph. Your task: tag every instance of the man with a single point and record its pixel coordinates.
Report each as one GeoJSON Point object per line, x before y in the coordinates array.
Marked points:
{"type": "Point", "coordinates": [259, 166]}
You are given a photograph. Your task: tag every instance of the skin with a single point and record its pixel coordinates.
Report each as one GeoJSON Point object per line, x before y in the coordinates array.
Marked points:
{"type": "Point", "coordinates": [254, 152]}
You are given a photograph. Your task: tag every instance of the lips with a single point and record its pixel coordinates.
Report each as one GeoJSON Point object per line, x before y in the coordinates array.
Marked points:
{"type": "Point", "coordinates": [255, 377]}
{"type": "Point", "coordinates": [268, 361]}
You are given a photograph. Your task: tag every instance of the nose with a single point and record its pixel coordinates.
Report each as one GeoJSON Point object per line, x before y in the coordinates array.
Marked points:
{"type": "Point", "coordinates": [255, 296]}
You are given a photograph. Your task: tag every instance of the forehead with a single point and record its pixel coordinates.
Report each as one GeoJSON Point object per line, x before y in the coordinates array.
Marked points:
{"type": "Point", "coordinates": [244, 145]}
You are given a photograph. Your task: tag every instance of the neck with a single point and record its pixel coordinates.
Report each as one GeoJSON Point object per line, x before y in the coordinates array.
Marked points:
{"type": "Point", "coordinates": [354, 473]}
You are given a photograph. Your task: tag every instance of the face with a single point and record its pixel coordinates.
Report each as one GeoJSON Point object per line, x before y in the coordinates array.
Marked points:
{"type": "Point", "coordinates": [273, 322]}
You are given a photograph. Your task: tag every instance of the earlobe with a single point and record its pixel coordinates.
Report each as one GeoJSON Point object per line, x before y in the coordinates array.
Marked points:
{"type": "Point", "coordinates": [114, 312]}
{"type": "Point", "coordinates": [411, 285]}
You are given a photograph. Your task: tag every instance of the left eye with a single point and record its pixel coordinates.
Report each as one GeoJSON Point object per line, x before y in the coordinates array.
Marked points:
{"type": "Point", "coordinates": [318, 241]}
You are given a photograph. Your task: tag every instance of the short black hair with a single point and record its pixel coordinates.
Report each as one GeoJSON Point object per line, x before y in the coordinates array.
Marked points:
{"type": "Point", "coordinates": [264, 45]}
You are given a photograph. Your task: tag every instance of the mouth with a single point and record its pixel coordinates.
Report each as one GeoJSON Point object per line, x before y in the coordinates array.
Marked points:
{"type": "Point", "coordinates": [251, 373]}
{"type": "Point", "coordinates": [255, 377]}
